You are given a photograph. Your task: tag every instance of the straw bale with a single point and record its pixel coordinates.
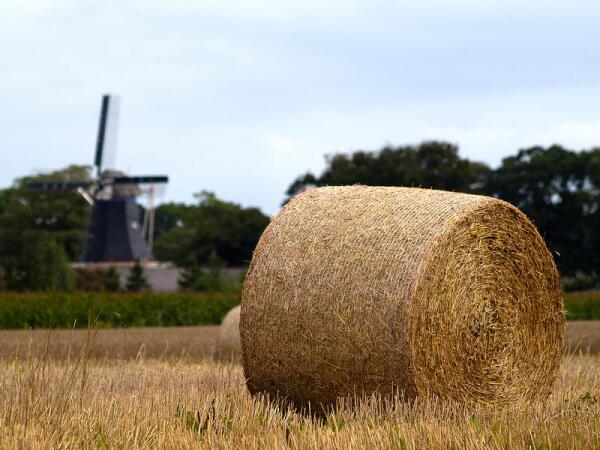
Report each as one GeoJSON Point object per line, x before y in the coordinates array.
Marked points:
{"type": "Point", "coordinates": [355, 290]}
{"type": "Point", "coordinates": [228, 341]}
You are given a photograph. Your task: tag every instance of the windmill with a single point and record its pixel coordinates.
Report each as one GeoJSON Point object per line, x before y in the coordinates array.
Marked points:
{"type": "Point", "coordinates": [115, 232]}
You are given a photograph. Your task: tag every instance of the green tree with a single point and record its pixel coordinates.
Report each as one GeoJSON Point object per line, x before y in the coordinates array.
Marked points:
{"type": "Point", "coordinates": [194, 231]}
{"type": "Point", "coordinates": [112, 280]}
{"type": "Point", "coordinates": [41, 230]}
{"type": "Point", "coordinates": [430, 165]}
{"type": "Point", "coordinates": [63, 213]}
{"type": "Point", "coordinates": [201, 278]}
{"type": "Point", "coordinates": [214, 272]}
{"type": "Point", "coordinates": [559, 189]}
{"type": "Point", "coordinates": [136, 281]}
{"type": "Point", "coordinates": [36, 263]}
{"type": "Point", "coordinates": [191, 277]}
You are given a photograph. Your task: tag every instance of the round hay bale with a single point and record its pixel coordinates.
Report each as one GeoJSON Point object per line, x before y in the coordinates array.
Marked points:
{"type": "Point", "coordinates": [228, 341]}
{"type": "Point", "coordinates": [354, 290]}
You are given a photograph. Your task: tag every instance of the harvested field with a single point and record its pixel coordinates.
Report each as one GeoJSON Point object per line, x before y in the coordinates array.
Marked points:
{"type": "Point", "coordinates": [123, 398]}
{"type": "Point", "coordinates": [193, 342]}
{"type": "Point", "coordinates": [151, 342]}
{"type": "Point", "coordinates": [176, 403]}
{"type": "Point", "coordinates": [583, 336]}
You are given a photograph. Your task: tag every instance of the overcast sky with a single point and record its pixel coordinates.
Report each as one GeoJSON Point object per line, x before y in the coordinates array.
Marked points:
{"type": "Point", "coordinates": [241, 97]}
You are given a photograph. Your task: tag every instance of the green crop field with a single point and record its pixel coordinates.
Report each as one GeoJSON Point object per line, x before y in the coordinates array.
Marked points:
{"type": "Point", "coordinates": [75, 309]}
{"type": "Point", "coordinates": [107, 310]}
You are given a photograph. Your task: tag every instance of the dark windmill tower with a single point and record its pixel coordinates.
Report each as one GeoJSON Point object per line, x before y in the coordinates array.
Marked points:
{"type": "Point", "coordinates": [115, 233]}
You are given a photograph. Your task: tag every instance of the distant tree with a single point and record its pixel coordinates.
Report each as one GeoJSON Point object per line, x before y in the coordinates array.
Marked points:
{"type": "Point", "coordinates": [559, 189]}
{"type": "Point", "coordinates": [40, 231]}
{"type": "Point", "coordinates": [34, 261]}
{"type": "Point", "coordinates": [214, 272]}
{"type": "Point", "coordinates": [136, 281]}
{"type": "Point", "coordinates": [171, 216]}
{"type": "Point", "coordinates": [430, 165]}
{"type": "Point", "coordinates": [63, 213]}
{"type": "Point", "coordinates": [192, 276]}
{"type": "Point", "coordinates": [194, 231]}
{"type": "Point", "coordinates": [201, 278]}
{"type": "Point", "coordinates": [112, 280]}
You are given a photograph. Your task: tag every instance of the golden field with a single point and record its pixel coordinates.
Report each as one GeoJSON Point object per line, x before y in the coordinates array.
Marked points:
{"type": "Point", "coordinates": [193, 342]}
{"type": "Point", "coordinates": [154, 395]}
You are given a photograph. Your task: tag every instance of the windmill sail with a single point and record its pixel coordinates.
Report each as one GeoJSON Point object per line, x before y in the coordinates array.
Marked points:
{"type": "Point", "coordinates": [142, 179]}
{"type": "Point", "coordinates": [58, 185]}
{"type": "Point", "coordinates": [106, 142]}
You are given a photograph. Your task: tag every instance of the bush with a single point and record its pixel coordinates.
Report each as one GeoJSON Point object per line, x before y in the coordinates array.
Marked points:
{"type": "Point", "coordinates": [209, 277]}
{"type": "Point", "coordinates": [583, 305]}
{"type": "Point", "coordinates": [97, 279]}
{"type": "Point", "coordinates": [68, 309]}
{"type": "Point", "coordinates": [580, 282]}
{"type": "Point", "coordinates": [112, 280]}
{"type": "Point", "coordinates": [88, 279]}
{"type": "Point", "coordinates": [136, 281]}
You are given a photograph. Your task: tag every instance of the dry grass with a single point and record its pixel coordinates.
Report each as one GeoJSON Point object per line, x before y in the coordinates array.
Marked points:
{"type": "Point", "coordinates": [583, 336]}
{"type": "Point", "coordinates": [178, 403]}
{"type": "Point", "coordinates": [154, 342]}
{"type": "Point", "coordinates": [191, 342]}
{"type": "Point", "coordinates": [126, 400]}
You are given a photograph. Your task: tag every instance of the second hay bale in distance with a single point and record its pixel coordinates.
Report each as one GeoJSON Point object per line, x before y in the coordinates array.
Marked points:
{"type": "Point", "coordinates": [228, 341]}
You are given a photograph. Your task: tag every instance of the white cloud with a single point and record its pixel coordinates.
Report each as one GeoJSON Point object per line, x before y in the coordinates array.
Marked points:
{"type": "Point", "coordinates": [576, 135]}
{"type": "Point", "coordinates": [33, 6]}
{"type": "Point", "coordinates": [290, 145]}
{"type": "Point", "coordinates": [240, 97]}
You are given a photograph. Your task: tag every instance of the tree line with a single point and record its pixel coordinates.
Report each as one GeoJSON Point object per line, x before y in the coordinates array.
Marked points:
{"type": "Point", "coordinates": [558, 188]}
{"type": "Point", "coordinates": [41, 232]}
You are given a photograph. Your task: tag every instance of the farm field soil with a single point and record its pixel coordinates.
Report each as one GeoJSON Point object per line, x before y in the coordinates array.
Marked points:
{"type": "Point", "coordinates": [182, 403]}
{"type": "Point", "coordinates": [583, 335]}
{"type": "Point", "coordinates": [193, 342]}
{"type": "Point", "coordinates": [151, 342]}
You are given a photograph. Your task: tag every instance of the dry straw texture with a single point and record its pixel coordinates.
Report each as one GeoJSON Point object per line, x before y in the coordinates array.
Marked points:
{"type": "Point", "coordinates": [356, 289]}
{"type": "Point", "coordinates": [228, 342]}
{"type": "Point", "coordinates": [182, 404]}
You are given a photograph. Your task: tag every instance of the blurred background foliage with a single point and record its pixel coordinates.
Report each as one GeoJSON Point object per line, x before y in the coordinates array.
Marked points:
{"type": "Point", "coordinates": [189, 234]}
{"type": "Point", "coordinates": [109, 309]}
{"type": "Point", "coordinates": [558, 188]}
{"type": "Point", "coordinates": [26, 310]}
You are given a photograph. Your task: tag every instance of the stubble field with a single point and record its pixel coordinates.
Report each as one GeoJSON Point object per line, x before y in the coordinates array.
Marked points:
{"type": "Point", "coordinates": [132, 390]}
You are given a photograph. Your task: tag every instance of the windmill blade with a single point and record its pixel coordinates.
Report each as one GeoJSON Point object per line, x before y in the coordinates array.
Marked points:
{"type": "Point", "coordinates": [106, 142]}
{"type": "Point", "coordinates": [138, 185]}
{"type": "Point", "coordinates": [58, 185]}
{"type": "Point", "coordinates": [142, 179]}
